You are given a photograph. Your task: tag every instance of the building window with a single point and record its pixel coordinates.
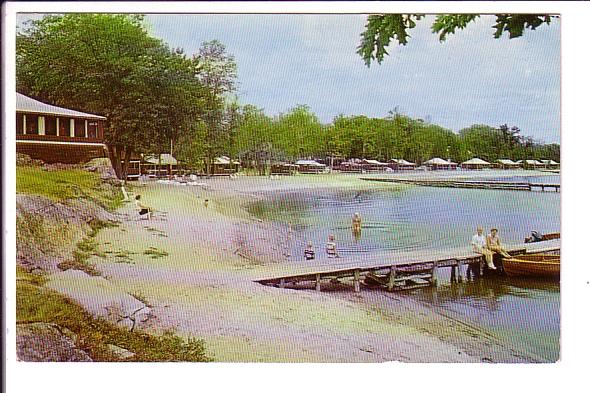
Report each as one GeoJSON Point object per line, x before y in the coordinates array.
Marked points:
{"type": "Point", "coordinates": [20, 126]}
{"type": "Point", "coordinates": [64, 126]}
{"type": "Point", "coordinates": [50, 125]}
{"type": "Point", "coordinates": [32, 124]}
{"type": "Point", "coordinates": [79, 128]}
{"type": "Point", "coordinates": [92, 129]}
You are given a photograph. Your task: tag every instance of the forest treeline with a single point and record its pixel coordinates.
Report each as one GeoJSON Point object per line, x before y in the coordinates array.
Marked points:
{"type": "Point", "coordinates": [299, 134]}
{"type": "Point", "coordinates": [158, 99]}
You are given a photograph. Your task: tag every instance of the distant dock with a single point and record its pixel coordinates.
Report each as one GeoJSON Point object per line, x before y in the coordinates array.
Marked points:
{"type": "Point", "coordinates": [390, 272]}
{"type": "Point", "coordinates": [490, 185]}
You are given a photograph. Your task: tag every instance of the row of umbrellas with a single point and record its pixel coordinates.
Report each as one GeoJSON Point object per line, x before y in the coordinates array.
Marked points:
{"type": "Point", "coordinates": [440, 162]}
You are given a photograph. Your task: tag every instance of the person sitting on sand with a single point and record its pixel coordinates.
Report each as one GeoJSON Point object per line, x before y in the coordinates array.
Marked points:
{"type": "Point", "coordinates": [493, 243]}
{"type": "Point", "coordinates": [331, 247]}
{"type": "Point", "coordinates": [206, 203]}
{"type": "Point", "coordinates": [144, 210]}
{"type": "Point", "coordinates": [309, 252]}
{"type": "Point", "coordinates": [478, 242]}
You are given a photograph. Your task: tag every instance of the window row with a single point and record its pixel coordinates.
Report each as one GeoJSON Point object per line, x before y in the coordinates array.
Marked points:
{"type": "Point", "coordinates": [54, 125]}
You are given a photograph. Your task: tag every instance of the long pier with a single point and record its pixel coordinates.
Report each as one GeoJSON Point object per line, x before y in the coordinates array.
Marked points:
{"type": "Point", "coordinates": [491, 185]}
{"type": "Point", "coordinates": [389, 271]}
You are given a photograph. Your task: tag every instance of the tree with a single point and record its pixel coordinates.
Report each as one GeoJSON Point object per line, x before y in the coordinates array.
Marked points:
{"type": "Point", "coordinates": [109, 65]}
{"type": "Point", "coordinates": [380, 30]}
{"type": "Point", "coordinates": [299, 133]}
{"type": "Point", "coordinates": [218, 72]}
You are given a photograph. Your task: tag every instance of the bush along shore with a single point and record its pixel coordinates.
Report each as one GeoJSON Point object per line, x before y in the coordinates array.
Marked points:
{"type": "Point", "coordinates": [60, 210]}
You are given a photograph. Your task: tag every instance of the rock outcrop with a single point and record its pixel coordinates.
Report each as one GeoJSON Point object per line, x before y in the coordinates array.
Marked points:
{"type": "Point", "coordinates": [47, 231]}
{"type": "Point", "coordinates": [101, 298]}
{"type": "Point", "coordinates": [47, 342]}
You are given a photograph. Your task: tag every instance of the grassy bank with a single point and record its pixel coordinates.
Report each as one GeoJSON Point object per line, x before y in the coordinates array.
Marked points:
{"type": "Point", "coordinates": [64, 184]}
{"type": "Point", "coordinates": [35, 303]}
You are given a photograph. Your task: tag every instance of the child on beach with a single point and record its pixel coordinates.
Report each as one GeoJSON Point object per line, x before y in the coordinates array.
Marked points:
{"type": "Point", "coordinates": [331, 247]}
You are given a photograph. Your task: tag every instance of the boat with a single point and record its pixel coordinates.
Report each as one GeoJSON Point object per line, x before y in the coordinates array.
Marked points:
{"type": "Point", "coordinates": [551, 236]}
{"type": "Point", "coordinates": [533, 265]}
{"type": "Point", "coordinates": [537, 237]}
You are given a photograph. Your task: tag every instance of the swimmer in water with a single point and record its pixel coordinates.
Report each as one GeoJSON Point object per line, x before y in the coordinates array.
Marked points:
{"type": "Point", "coordinates": [331, 247]}
{"type": "Point", "coordinates": [309, 252]}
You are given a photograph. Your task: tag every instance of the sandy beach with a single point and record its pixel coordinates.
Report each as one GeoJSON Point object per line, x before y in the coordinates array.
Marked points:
{"type": "Point", "coordinates": [199, 283]}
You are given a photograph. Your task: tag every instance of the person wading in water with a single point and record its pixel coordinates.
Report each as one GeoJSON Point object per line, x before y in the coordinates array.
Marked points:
{"type": "Point", "coordinates": [356, 226]}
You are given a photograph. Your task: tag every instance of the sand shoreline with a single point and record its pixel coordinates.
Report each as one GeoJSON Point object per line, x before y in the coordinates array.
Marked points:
{"type": "Point", "coordinates": [203, 287]}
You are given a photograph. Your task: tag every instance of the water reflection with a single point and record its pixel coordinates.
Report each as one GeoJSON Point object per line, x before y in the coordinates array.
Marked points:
{"type": "Point", "coordinates": [489, 293]}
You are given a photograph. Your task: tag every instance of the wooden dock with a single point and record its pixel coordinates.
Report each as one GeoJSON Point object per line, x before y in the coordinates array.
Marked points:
{"type": "Point", "coordinates": [490, 185]}
{"type": "Point", "coordinates": [400, 272]}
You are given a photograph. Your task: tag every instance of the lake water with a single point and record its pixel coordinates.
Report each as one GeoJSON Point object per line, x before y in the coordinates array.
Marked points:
{"type": "Point", "coordinates": [525, 313]}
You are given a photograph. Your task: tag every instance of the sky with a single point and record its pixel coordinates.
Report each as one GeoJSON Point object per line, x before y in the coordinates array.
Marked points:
{"type": "Point", "coordinates": [471, 78]}
{"type": "Point", "coordinates": [289, 60]}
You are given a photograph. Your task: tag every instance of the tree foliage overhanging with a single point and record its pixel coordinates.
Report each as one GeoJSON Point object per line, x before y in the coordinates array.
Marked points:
{"type": "Point", "coordinates": [154, 97]}
{"type": "Point", "coordinates": [381, 30]}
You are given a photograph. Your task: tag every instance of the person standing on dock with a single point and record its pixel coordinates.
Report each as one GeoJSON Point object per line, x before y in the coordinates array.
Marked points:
{"type": "Point", "coordinates": [331, 247]}
{"type": "Point", "coordinates": [493, 243]}
{"type": "Point", "coordinates": [479, 244]}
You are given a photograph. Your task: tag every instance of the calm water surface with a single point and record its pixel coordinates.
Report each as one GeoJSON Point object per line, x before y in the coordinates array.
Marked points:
{"type": "Point", "coordinates": [524, 312]}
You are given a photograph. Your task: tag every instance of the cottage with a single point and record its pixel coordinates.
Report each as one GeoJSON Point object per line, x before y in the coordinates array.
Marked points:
{"type": "Point", "coordinates": [54, 134]}
{"type": "Point", "coordinates": [224, 166]}
{"type": "Point", "coordinates": [373, 165]}
{"type": "Point", "coordinates": [158, 166]}
{"type": "Point", "coordinates": [283, 168]}
{"type": "Point", "coordinates": [438, 164]}
{"type": "Point", "coordinates": [475, 163]}
{"type": "Point", "coordinates": [310, 166]}
{"type": "Point", "coordinates": [505, 163]}
{"type": "Point", "coordinates": [550, 164]}
{"type": "Point", "coordinates": [531, 164]}
{"type": "Point", "coordinates": [151, 165]}
{"type": "Point", "coordinates": [399, 164]}
{"type": "Point", "coordinates": [353, 165]}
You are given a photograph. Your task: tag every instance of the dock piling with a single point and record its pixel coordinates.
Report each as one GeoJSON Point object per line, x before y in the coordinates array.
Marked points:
{"type": "Point", "coordinates": [391, 281]}
{"type": "Point", "coordinates": [357, 282]}
{"type": "Point", "coordinates": [433, 273]}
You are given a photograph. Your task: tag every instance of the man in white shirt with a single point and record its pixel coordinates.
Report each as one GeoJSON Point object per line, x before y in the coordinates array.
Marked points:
{"type": "Point", "coordinates": [478, 242]}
